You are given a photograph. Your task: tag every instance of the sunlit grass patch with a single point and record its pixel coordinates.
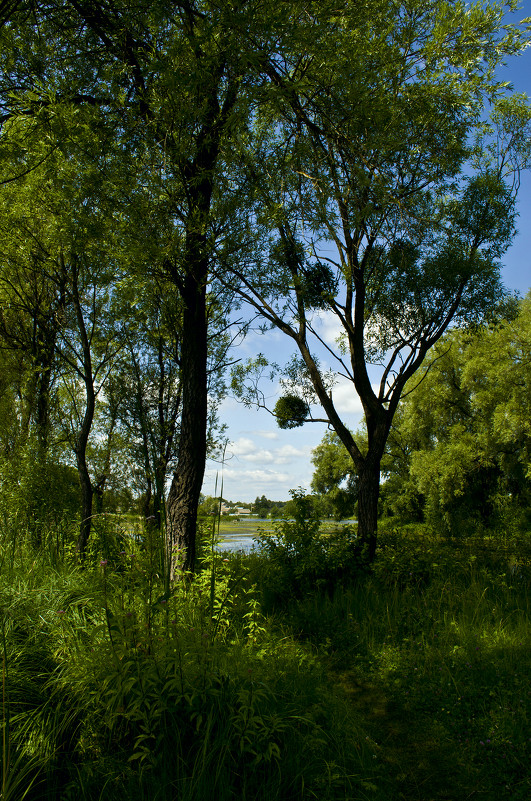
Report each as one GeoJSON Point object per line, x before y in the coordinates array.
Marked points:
{"type": "Point", "coordinates": [119, 685]}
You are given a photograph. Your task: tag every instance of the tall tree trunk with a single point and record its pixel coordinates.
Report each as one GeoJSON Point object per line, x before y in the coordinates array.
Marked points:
{"type": "Point", "coordinates": [42, 404]}
{"type": "Point", "coordinates": [86, 503]}
{"type": "Point", "coordinates": [158, 497]}
{"type": "Point", "coordinates": [183, 497]}
{"type": "Point", "coordinates": [368, 494]}
{"type": "Point", "coordinates": [42, 410]}
{"type": "Point", "coordinates": [88, 417]}
{"type": "Point", "coordinates": [103, 478]}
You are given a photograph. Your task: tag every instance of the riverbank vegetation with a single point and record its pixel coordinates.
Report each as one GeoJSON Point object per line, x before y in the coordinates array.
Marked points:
{"type": "Point", "coordinates": [283, 674]}
{"type": "Point", "coordinates": [299, 670]}
{"type": "Point", "coordinates": [172, 177]}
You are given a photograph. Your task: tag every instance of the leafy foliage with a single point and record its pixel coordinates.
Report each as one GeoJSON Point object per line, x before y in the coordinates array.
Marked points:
{"type": "Point", "coordinates": [111, 681]}
{"type": "Point", "coordinates": [376, 160]}
{"type": "Point", "coordinates": [291, 411]}
{"type": "Point", "coordinates": [300, 558]}
{"type": "Point", "coordinates": [433, 649]}
{"type": "Point", "coordinates": [334, 477]}
{"type": "Point", "coordinates": [465, 427]}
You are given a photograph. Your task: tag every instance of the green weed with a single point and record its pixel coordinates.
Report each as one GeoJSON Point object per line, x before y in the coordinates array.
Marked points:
{"type": "Point", "coordinates": [120, 687]}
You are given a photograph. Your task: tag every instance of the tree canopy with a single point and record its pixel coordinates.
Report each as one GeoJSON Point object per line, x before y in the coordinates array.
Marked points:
{"type": "Point", "coordinates": [472, 461]}
{"type": "Point", "coordinates": [458, 454]}
{"type": "Point", "coordinates": [384, 200]}
{"type": "Point", "coordinates": [164, 168]}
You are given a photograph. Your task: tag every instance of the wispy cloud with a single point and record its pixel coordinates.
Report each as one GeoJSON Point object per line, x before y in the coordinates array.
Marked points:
{"type": "Point", "coordinates": [247, 450]}
{"type": "Point", "coordinates": [270, 477]}
{"type": "Point", "coordinates": [346, 399]}
{"type": "Point", "coordinates": [329, 327]}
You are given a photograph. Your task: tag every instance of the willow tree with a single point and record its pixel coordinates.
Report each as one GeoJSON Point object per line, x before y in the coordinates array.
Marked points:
{"type": "Point", "coordinates": [164, 89]}
{"type": "Point", "coordinates": [385, 200]}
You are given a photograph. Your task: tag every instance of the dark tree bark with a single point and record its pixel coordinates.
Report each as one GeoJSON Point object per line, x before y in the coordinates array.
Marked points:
{"type": "Point", "coordinates": [80, 446]}
{"type": "Point", "coordinates": [368, 494]}
{"type": "Point", "coordinates": [168, 412]}
{"type": "Point", "coordinates": [191, 281]}
{"type": "Point", "coordinates": [183, 498]}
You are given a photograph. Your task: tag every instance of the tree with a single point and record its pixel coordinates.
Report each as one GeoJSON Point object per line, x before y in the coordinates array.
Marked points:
{"type": "Point", "coordinates": [262, 506]}
{"type": "Point", "coordinates": [148, 386]}
{"type": "Point", "coordinates": [34, 293]}
{"type": "Point", "coordinates": [334, 478]}
{"type": "Point", "coordinates": [383, 200]}
{"type": "Point", "coordinates": [168, 83]}
{"type": "Point", "coordinates": [222, 131]}
{"type": "Point", "coordinates": [469, 420]}
{"type": "Point", "coordinates": [210, 506]}
{"type": "Point", "coordinates": [89, 344]}
{"type": "Point", "coordinates": [51, 316]}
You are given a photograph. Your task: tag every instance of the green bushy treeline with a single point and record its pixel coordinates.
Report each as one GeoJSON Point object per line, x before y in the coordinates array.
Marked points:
{"type": "Point", "coordinates": [458, 455]}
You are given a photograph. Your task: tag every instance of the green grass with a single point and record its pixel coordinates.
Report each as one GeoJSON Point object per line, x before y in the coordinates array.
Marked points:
{"type": "Point", "coordinates": [411, 681]}
{"type": "Point", "coordinates": [433, 652]}
{"type": "Point", "coordinates": [113, 688]}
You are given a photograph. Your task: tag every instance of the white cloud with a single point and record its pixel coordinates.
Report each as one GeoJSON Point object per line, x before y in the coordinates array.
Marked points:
{"type": "Point", "coordinates": [243, 446]}
{"type": "Point", "coordinates": [346, 399]}
{"type": "Point", "coordinates": [228, 404]}
{"type": "Point", "coordinates": [247, 450]}
{"type": "Point", "coordinates": [260, 476]}
{"type": "Point", "coordinates": [247, 483]}
{"type": "Point", "coordinates": [251, 470]}
{"type": "Point", "coordinates": [329, 327]}
{"type": "Point", "coordinates": [287, 454]}
{"type": "Point", "coordinates": [267, 434]}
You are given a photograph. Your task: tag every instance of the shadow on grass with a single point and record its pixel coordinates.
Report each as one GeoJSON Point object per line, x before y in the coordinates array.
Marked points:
{"type": "Point", "coordinates": [432, 743]}
{"type": "Point", "coordinates": [439, 675]}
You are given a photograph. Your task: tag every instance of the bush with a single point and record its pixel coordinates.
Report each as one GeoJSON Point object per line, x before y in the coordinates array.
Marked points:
{"type": "Point", "coordinates": [300, 559]}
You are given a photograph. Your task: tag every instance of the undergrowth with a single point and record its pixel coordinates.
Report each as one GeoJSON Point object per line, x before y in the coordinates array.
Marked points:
{"type": "Point", "coordinates": [115, 686]}
{"type": "Point", "coordinates": [290, 673]}
{"type": "Point", "coordinates": [433, 650]}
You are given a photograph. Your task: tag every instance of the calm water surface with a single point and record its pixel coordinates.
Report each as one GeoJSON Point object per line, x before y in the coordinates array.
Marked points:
{"type": "Point", "coordinates": [240, 535]}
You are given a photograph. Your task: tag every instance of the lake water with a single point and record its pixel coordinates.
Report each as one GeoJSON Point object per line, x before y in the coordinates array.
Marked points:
{"type": "Point", "coordinates": [244, 542]}
{"type": "Point", "coordinates": [240, 535]}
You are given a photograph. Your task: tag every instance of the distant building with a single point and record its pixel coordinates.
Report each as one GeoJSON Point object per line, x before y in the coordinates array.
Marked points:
{"type": "Point", "coordinates": [234, 510]}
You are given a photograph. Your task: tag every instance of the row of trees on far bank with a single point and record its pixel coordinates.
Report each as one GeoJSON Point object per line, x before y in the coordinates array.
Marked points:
{"type": "Point", "coordinates": [173, 173]}
{"type": "Point", "coordinates": [261, 507]}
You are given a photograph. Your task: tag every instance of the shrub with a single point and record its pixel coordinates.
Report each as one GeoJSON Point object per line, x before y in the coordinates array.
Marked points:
{"type": "Point", "coordinates": [298, 558]}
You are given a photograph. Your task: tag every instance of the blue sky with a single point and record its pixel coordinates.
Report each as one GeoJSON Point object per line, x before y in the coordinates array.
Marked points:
{"type": "Point", "coordinates": [262, 459]}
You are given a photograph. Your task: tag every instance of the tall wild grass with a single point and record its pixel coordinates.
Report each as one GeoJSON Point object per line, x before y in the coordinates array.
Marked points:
{"type": "Point", "coordinates": [115, 685]}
